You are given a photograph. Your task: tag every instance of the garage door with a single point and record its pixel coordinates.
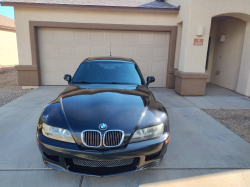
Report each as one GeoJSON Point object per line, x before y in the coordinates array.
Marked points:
{"type": "Point", "coordinates": [62, 50]}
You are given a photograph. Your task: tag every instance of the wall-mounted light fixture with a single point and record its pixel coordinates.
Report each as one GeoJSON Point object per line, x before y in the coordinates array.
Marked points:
{"type": "Point", "coordinates": [200, 31]}
{"type": "Point", "coordinates": [222, 38]}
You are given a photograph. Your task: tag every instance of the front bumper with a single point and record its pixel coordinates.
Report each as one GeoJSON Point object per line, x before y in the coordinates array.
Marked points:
{"type": "Point", "coordinates": [60, 155]}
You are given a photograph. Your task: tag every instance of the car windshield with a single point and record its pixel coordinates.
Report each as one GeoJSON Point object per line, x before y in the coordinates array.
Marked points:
{"type": "Point", "coordinates": [107, 72]}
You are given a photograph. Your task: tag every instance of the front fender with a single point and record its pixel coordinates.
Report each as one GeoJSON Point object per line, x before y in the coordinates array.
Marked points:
{"type": "Point", "coordinates": [53, 115]}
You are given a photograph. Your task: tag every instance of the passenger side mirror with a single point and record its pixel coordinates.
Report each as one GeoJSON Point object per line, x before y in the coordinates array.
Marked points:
{"type": "Point", "coordinates": [150, 79]}
{"type": "Point", "coordinates": [67, 78]}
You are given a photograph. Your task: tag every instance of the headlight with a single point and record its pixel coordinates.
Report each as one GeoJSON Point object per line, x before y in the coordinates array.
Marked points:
{"type": "Point", "coordinates": [57, 133]}
{"type": "Point", "coordinates": [148, 133]}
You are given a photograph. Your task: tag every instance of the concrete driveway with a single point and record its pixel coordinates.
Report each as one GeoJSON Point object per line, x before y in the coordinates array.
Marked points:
{"type": "Point", "coordinates": [200, 149]}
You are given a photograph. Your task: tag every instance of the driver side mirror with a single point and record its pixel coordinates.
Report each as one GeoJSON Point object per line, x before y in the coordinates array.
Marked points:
{"type": "Point", "coordinates": [150, 79]}
{"type": "Point", "coordinates": [67, 78]}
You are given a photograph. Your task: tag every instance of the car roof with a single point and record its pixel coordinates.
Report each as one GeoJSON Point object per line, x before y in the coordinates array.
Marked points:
{"type": "Point", "coordinates": [109, 58]}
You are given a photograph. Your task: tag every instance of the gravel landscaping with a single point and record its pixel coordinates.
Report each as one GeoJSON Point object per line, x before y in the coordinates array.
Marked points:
{"type": "Point", "coordinates": [236, 120]}
{"type": "Point", "coordinates": [9, 89]}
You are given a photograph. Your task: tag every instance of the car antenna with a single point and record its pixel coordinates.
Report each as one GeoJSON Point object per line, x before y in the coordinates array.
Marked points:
{"type": "Point", "coordinates": [110, 48]}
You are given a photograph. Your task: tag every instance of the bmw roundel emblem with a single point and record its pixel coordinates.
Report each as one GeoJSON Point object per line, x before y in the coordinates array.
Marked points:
{"type": "Point", "coordinates": [103, 126]}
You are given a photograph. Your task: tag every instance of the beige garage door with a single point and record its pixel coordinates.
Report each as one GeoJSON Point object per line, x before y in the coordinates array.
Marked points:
{"type": "Point", "coordinates": [62, 50]}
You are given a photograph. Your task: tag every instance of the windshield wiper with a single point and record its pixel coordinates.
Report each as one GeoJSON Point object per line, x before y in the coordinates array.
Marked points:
{"type": "Point", "coordinates": [84, 82]}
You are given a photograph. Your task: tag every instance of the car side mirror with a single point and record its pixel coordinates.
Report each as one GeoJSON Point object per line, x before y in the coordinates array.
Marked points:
{"type": "Point", "coordinates": [150, 79]}
{"type": "Point", "coordinates": [67, 78]}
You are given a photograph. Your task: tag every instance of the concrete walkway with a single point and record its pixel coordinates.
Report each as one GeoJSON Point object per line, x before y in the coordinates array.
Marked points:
{"type": "Point", "coordinates": [217, 97]}
{"type": "Point", "coordinates": [199, 146]}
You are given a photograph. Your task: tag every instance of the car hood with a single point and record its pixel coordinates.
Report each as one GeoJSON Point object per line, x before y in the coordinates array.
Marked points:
{"type": "Point", "coordinates": [121, 107]}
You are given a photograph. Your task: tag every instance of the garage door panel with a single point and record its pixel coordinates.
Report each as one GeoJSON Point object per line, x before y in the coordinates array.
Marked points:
{"type": "Point", "coordinates": [129, 51]}
{"type": "Point", "coordinates": [160, 53]}
{"type": "Point", "coordinates": [65, 49]}
{"type": "Point", "coordinates": [47, 35]}
{"type": "Point", "coordinates": [51, 63]}
{"type": "Point", "coordinates": [97, 50]}
{"type": "Point", "coordinates": [48, 50]}
{"type": "Point", "coordinates": [129, 37]}
{"type": "Point", "coordinates": [143, 52]}
{"type": "Point", "coordinates": [159, 81]}
{"type": "Point", "coordinates": [97, 36]}
{"type": "Point", "coordinates": [50, 78]}
{"type": "Point", "coordinates": [82, 50]}
{"type": "Point", "coordinates": [62, 72]}
{"type": "Point", "coordinates": [160, 38]}
{"type": "Point", "coordinates": [145, 38]}
{"type": "Point", "coordinates": [81, 36]}
{"type": "Point", "coordinates": [65, 35]}
{"type": "Point", "coordinates": [115, 51]}
{"type": "Point", "coordinates": [114, 37]}
{"type": "Point", "coordinates": [62, 50]}
{"type": "Point", "coordinates": [65, 64]}
{"type": "Point", "coordinates": [159, 67]}
{"type": "Point", "coordinates": [144, 65]}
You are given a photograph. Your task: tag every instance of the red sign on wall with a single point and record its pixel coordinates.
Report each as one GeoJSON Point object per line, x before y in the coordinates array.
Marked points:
{"type": "Point", "coordinates": [198, 42]}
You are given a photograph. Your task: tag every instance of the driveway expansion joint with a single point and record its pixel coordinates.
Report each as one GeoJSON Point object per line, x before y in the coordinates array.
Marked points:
{"type": "Point", "coordinates": [24, 169]}
{"type": "Point", "coordinates": [81, 181]}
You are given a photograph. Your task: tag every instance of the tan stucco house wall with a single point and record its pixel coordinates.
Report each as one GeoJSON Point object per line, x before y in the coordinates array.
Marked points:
{"type": "Point", "coordinates": [188, 72]}
{"type": "Point", "coordinates": [8, 42]}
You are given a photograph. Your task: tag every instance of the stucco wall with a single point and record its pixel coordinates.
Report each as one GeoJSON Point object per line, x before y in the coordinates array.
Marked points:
{"type": "Point", "coordinates": [8, 48]}
{"type": "Point", "coordinates": [183, 17]}
{"type": "Point", "coordinates": [23, 15]}
{"type": "Point", "coordinates": [193, 58]}
{"type": "Point", "coordinates": [227, 55]}
{"type": "Point", "coordinates": [196, 13]}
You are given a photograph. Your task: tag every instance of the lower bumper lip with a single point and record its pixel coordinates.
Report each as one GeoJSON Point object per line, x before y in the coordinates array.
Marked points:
{"type": "Point", "coordinates": [152, 164]}
{"type": "Point", "coordinates": [54, 166]}
{"type": "Point", "coordinates": [135, 150]}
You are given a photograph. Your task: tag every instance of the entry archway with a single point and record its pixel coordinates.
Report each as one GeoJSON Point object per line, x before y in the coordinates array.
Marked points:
{"type": "Point", "coordinates": [226, 60]}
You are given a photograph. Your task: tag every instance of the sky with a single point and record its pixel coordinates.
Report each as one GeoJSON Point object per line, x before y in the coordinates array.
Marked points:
{"type": "Point", "coordinates": [7, 11]}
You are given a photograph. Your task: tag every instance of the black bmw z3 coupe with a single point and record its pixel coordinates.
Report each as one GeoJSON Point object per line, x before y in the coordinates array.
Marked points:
{"type": "Point", "coordinates": [106, 122]}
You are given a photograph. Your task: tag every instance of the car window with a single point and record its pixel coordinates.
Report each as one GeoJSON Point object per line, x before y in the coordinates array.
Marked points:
{"type": "Point", "coordinates": [105, 72]}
